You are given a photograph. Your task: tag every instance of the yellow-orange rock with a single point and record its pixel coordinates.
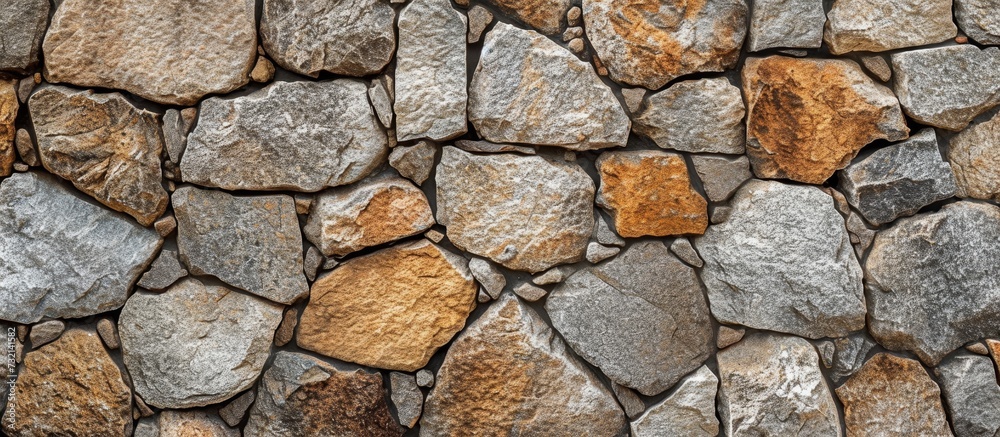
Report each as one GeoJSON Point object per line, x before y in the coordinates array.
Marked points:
{"type": "Point", "coordinates": [8, 113]}
{"type": "Point", "coordinates": [546, 16]}
{"type": "Point", "coordinates": [649, 193]}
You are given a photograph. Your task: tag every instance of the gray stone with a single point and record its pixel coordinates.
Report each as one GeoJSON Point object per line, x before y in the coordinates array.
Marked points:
{"type": "Point", "coordinates": [630, 402]}
{"type": "Point", "coordinates": [878, 26]}
{"type": "Point", "coordinates": [641, 318]}
{"type": "Point", "coordinates": [479, 18]}
{"type": "Point", "coordinates": [973, 158]}
{"type": "Point", "coordinates": [380, 95]}
{"type": "Point", "coordinates": [146, 428]}
{"type": "Point", "coordinates": [407, 398]}
{"type": "Point", "coordinates": [979, 20]}
{"type": "Point", "coordinates": [425, 378]}
{"type": "Point", "coordinates": [62, 256]}
{"type": "Point", "coordinates": [786, 24]}
{"type": "Point", "coordinates": [488, 147]}
{"type": "Point", "coordinates": [597, 252]}
{"type": "Point", "coordinates": [414, 162]}
{"type": "Point", "coordinates": [46, 332]}
{"type": "Point", "coordinates": [220, 234]}
{"type": "Point", "coordinates": [721, 175]}
{"type": "Point", "coordinates": [311, 263]}
{"type": "Point", "coordinates": [688, 411]}
{"type": "Point", "coordinates": [301, 136]}
{"type": "Point", "coordinates": [603, 233]}
{"type": "Point", "coordinates": [176, 126]}
{"type": "Point", "coordinates": [234, 412]}
{"type": "Point", "coordinates": [530, 292]}
{"type": "Point", "coordinates": [878, 66]}
{"type": "Point", "coordinates": [728, 336]}
{"type": "Point", "coordinates": [860, 232]}
{"type": "Point", "coordinates": [23, 23]}
{"type": "Point", "coordinates": [166, 270]}
{"type": "Point", "coordinates": [488, 276]}
{"type": "Point", "coordinates": [685, 251]}
{"type": "Point", "coordinates": [701, 116]}
{"type": "Point", "coordinates": [849, 354]}
{"type": "Point", "coordinates": [970, 386]}
{"type": "Point", "coordinates": [528, 89]}
{"type": "Point", "coordinates": [782, 261]}
{"type": "Point", "coordinates": [172, 423]}
{"type": "Point", "coordinates": [826, 351]}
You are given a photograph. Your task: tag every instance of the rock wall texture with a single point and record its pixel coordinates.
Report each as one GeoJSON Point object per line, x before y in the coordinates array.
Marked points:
{"type": "Point", "coordinates": [644, 218]}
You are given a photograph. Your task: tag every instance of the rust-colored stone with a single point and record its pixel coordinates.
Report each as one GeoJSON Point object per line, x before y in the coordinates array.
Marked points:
{"type": "Point", "coordinates": [546, 16]}
{"type": "Point", "coordinates": [8, 113]}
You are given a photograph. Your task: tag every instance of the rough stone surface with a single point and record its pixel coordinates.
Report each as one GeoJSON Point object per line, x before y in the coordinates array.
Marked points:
{"type": "Point", "coordinates": [597, 252]}
{"type": "Point", "coordinates": [425, 378]}
{"type": "Point", "coordinates": [488, 276]}
{"type": "Point", "coordinates": [970, 386]}
{"type": "Point", "coordinates": [26, 148]}
{"type": "Point", "coordinates": [176, 127]}
{"type": "Point", "coordinates": [973, 158]}
{"type": "Point", "coordinates": [166, 270]}
{"type": "Point", "coordinates": [8, 130]}
{"type": "Point", "coordinates": [729, 336]}
{"type": "Point", "coordinates": [721, 175]}
{"type": "Point", "coordinates": [530, 292]}
{"type": "Point", "coordinates": [23, 23]}
{"type": "Point", "coordinates": [688, 411]}
{"type": "Point", "coordinates": [263, 70]}
{"type": "Point", "coordinates": [234, 412]}
{"type": "Point", "coordinates": [786, 24]}
{"type": "Point", "coordinates": [782, 261]}
{"type": "Point", "coordinates": [849, 354]}
{"type": "Point", "coordinates": [528, 89]}
{"type": "Point", "coordinates": [544, 217]}
{"type": "Point", "coordinates": [787, 96]}
{"type": "Point", "coordinates": [286, 330]}
{"type": "Point", "coordinates": [109, 333]}
{"type": "Point", "coordinates": [140, 47]}
{"type": "Point", "coordinates": [380, 95]}
{"type": "Point", "coordinates": [702, 116]}
{"type": "Point", "coordinates": [479, 18]}
{"type": "Point", "coordinates": [174, 423]}
{"type": "Point", "coordinates": [878, 66]}
{"type": "Point", "coordinates": [414, 162]}
{"type": "Point", "coordinates": [407, 398]}
{"type": "Point", "coordinates": [545, 16]}
{"type": "Point", "coordinates": [46, 332]}
{"type": "Point", "coordinates": [603, 233]}
{"type": "Point", "coordinates": [979, 20]}
{"type": "Point", "coordinates": [630, 402]}
{"type": "Point", "coordinates": [878, 26]}
{"type": "Point", "coordinates": [554, 275]}
{"type": "Point", "coordinates": [301, 136]}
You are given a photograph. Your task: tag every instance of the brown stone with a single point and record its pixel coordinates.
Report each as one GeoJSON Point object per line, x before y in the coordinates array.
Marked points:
{"type": "Point", "coordinates": [193, 423]}
{"type": "Point", "coordinates": [649, 193]}
{"type": "Point", "coordinates": [234, 412]}
{"type": "Point", "coordinates": [546, 16]}
{"type": "Point", "coordinates": [974, 159]}
{"type": "Point", "coordinates": [392, 309]}
{"type": "Point", "coordinates": [287, 327]}
{"type": "Point", "coordinates": [108, 331]}
{"type": "Point", "coordinates": [8, 113]}
{"type": "Point", "coordinates": [263, 70]}
{"type": "Point", "coordinates": [808, 118]}
{"type": "Point", "coordinates": [994, 347]}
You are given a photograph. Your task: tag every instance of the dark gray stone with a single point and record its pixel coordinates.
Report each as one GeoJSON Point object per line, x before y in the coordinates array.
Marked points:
{"type": "Point", "coordinates": [23, 23]}
{"type": "Point", "coordinates": [166, 270]}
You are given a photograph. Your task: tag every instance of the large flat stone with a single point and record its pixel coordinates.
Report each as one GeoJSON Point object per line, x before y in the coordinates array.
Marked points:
{"type": "Point", "coordinates": [878, 26]}
{"type": "Point", "coordinates": [701, 116]}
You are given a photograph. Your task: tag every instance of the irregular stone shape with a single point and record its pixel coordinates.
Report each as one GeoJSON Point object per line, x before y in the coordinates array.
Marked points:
{"type": "Point", "coordinates": [649, 193]}
{"type": "Point", "coordinates": [392, 309]}
{"type": "Point", "coordinates": [641, 318]}
{"type": "Point", "coordinates": [407, 398]}
{"type": "Point", "coordinates": [721, 175]}
{"type": "Point", "coordinates": [166, 270]}
{"type": "Point", "coordinates": [530, 292]}
{"type": "Point", "coordinates": [414, 162]}
{"type": "Point", "coordinates": [849, 354]}
{"type": "Point", "coordinates": [176, 127]}
{"type": "Point", "coordinates": [488, 147]}
{"type": "Point", "coordinates": [23, 23]}
{"type": "Point", "coordinates": [286, 330]}
{"type": "Point", "coordinates": [545, 16]}
{"type": "Point", "coordinates": [787, 24]}
{"type": "Point", "coordinates": [431, 94]}
{"type": "Point", "coordinates": [936, 302]}
{"type": "Point", "coordinates": [947, 87]}
{"type": "Point", "coordinates": [69, 387]}
{"type": "Point", "coordinates": [729, 336]}
{"type": "Point", "coordinates": [380, 95]}
{"type": "Point", "coordinates": [528, 89]}
{"type": "Point", "coordinates": [193, 423]}
{"type": "Point", "coordinates": [352, 38]}
{"type": "Point", "coordinates": [108, 331]}
{"type": "Point", "coordinates": [301, 395]}
{"type": "Point", "coordinates": [898, 180]}
{"type": "Point", "coordinates": [8, 131]}
{"type": "Point", "coordinates": [145, 47]}
{"type": "Point", "coordinates": [892, 395]}
{"type": "Point", "coordinates": [24, 145]}
{"type": "Point", "coordinates": [970, 387]}
{"type": "Point", "coordinates": [106, 147]}
{"type": "Point", "coordinates": [979, 20]}
{"type": "Point", "coordinates": [195, 344]}
{"type": "Point", "coordinates": [603, 233]}
{"type": "Point", "coordinates": [702, 116]}
{"type": "Point", "coordinates": [785, 98]}
{"type": "Point", "coordinates": [630, 402]}
{"type": "Point", "coordinates": [597, 252]}
{"type": "Point", "coordinates": [772, 385]}
{"type": "Point", "coordinates": [651, 43]}
{"type": "Point", "coordinates": [46, 332]}
{"type": "Point", "coordinates": [234, 412]}
{"type": "Point", "coordinates": [479, 18]}
{"type": "Point", "coordinates": [425, 378]}
{"type": "Point", "coordinates": [509, 373]}
{"type": "Point", "coordinates": [688, 411]}
{"type": "Point", "coordinates": [973, 158]}
{"type": "Point", "coordinates": [301, 136]}
{"type": "Point", "coordinates": [488, 276]}
{"type": "Point", "coordinates": [369, 213]}
{"type": "Point", "coordinates": [524, 212]}
{"type": "Point", "coordinates": [62, 256]}
{"type": "Point", "coordinates": [878, 26]}
{"type": "Point", "coordinates": [783, 261]}
{"type": "Point", "coordinates": [878, 66]}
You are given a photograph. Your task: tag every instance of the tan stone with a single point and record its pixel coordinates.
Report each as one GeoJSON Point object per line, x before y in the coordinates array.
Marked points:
{"type": "Point", "coordinates": [8, 113]}
{"type": "Point", "coordinates": [263, 70]}
{"type": "Point", "coordinates": [392, 309]}
{"type": "Point", "coordinates": [546, 16]}
{"type": "Point", "coordinates": [193, 423]}
{"type": "Point", "coordinates": [649, 193]}
{"type": "Point", "coordinates": [878, 26]}
{"type": "Point", "coordinates": [994, 347]}
{"type": "Point", "coordinates": [974, 159]}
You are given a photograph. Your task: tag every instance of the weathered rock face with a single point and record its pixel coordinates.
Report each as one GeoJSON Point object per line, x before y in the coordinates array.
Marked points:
{"type": "Point", "coordinates": [849, 354]}
{"type": "Point", "coordinates": [142, 47]}
{"type": "Point", "coordinates": [934, 303]}
{"type": "Point", "coordinates": [392, 309]}
{"type": "Point", "coordinates": [509, 373]}
{"type": "Point", "coordinates": [641, 318]}
{"type": "Point", "coordinates": [878, 26]}
{"type": "Point", "coordinates": [689, 411]}
{"type": "Point", "coordinates": [947, 87]}
{"type": "Point", "coordinates": [787, 98]}
{"type": "Point", "coordinates": [650, 43]}
{"type": "Point", "coordinates": [414, 162]}
{"type": "Point", "coordinates": [979, 20]}
{"type": "Point", "coordinates": [546, 16]}
{"type": "Point", "coordinates": [784, 23]}
{"type": "Point", "coordinates": [8, 131]}
{"type": "Point", "coordinates": [702, 116]}
{"type": "Point", "coordinates": [195, 344]}
{"type": "Point", "coordinates": [528, 89]}
{"type": "Point", "coordinates": [721, 175]}
{"type": "Point", "coordinates": [252, 243]}
{"type": "Point", "coordinates": [783, 261]}
{"type": "Point", "coordinates": [173, 423]}
{"type": "Point", "coordinates": [23, 23]}
{"type": "Point", "coordinates": [62, 256]}
{"type": "Point", "coordinates": [106, 147]}
{"type": "Point", "coordinates": [892, 395]}
{"type": "Point", "coordinates": [301, 395]}
{"type": "Point", "coordinates": [970, 386]}
{"type": "Point", "coordinates": [70, 387]}
{"type": "Point", "coordinates": [973, 158]}
{"type": "Point", "coordinates": [353, 38]}
{"type": "Point", "coordinates": [524, 212]}
{"type": "Point", "coordinates": [301, 136]}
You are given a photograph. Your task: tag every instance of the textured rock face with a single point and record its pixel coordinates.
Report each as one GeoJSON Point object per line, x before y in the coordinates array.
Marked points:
{"type": "Point", "coordinates": [353, 38]}
{"type": "Point", "coordinates": [195, 344]}
{"type": "Point", "coordinates": [878, 26]}
{"type": "Point", "coordinates": [947, 87]}
{"type": "Point", "coordinates": [8, 131]}
{"type": "Point", "coordinates": [934, 303]}
{"type": "Point", "coordinates": [786, 23]}
{"type": "Point", "coordinates": [782, 261]}
{"type": "Point", "coordinates": [689, 411]}
{"type": "Point", "coordinates": [527, 89]}
{"type": "Point", "coordinates": [108, 148]}
{"type": "Point", "coordinates": [252, 243]}
{"type": "Point", "coordinates": [301, 136]}
{"type": "Point", "coordinates": [64, 257]}
{"type": "Point", "coordinates": [650, 43]}
{"type": "Point", "coordinates": [301, 395]}
{"type": "Point", "coordinates": [407, 398]}
{"type": "Point", "coordinates": [970, 386]}
{"type": "Point", "coordinates": [785, 99]}
{"type": "Point", "coordinates": [546, 16]}
{"type": "Point", "coordinates": [979, 20]}
{"type": "Point", "coordinates": [702, 116]}
{"type": "Point", "coordinates": [524, 212]}
{"type": "Point", "coordinates": [641, 318]}
{"type": "Point", "coordinates": [721, 175]}
{"type": "Point", "coordinates": [973, 158]}
{"type": "Point", "coordinates": [70, 387]}
{"type": "Point", "coordinates": [509, 373]}
{"type": "Point", "coordinates": [392, 309]}
{"type": "Point", "coordinates": [24, 23]}
{"type": "Point", "coordinates": [141, 47]}
{"type": "Point", "coordinates": [193, 423]}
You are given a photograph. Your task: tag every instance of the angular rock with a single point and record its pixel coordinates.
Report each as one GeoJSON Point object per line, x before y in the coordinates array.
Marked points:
{"type": "Point", "coordinates": [530, 292]}
{"type": "Point", "coordinates": [979, 20]}
{"type": "Point", "coordinates": [650, 44]}
{"type": "Point", "coordinates": [195, 344]}
{"type": "Point", "coordinates": [878, 66]}
{"type": "Point", "coordinates": [782, 261]}
{"type": "Point", "coordinates": [165, 226]}
{"type": "Point", "coordinates": [414, 162]}
{"type": "Point", "coordinates": [300, 136]}
{"type": "Point", "coordinates": [688, 411]}
{"type": "Point", "coordinates": [721, 175]}
{"type": "Point", "coordinates": [641, 318]}
{"type": "Point", "coordinates": [528, 89]}
{"type": "Point", "coordinates": [509, 373]}
{"type": "Point", "coordinates": [772, 385]}
{"type": "Point", "coordinates": [701, 116]}
{"type": "Point", "coordinates": [488, 147]}
{"type": "Point", "coordinates": [729, 336]}
{"type": "Point", "coordinates": [234, 412]}
{"type": "Point", "coordinates": [786, 96]}
{"type": "Point", "coordinates": [286, 330]}
{"type": "Point", "coordinates": [8, 131]}
{"type": "Point", "coordinates": [479, 18]}
{"type": "Point", "coordinates": [630, 402]}
{"type": "Point", "coordinates": [146, 47]}
{"type": "Point", "coordinates": [62, 256]}
{"type": "Point", "coordinates": [554, 275]}
{"type": "Point", "coordinates": [193, 423]}
{"type": "Point", "coordinates": [973, 158]}
{"type": "Point", "coordinates": [544, 218]}
{"type": "Point", "coordinates": [176, 127]}
{"type": "Point", "coordinates": [380, 95]}
{"type": "Point", "coordinates": [597, 252]}
{"type": "Point", "coordinates": [545, 16]}
{"type": "Point", "coordinates": [878, 26]}
{"type": "Point", "coordinates": [407, 398]}
{"type": "Point", "coordinates": [970, 386]}
{"type": "Point", "coordinates": [936, 302]}
{"type": "Point", "coordinates": [603, 233]}
{"type": "Point", "coordinates": [23, 23]}
{"type": "Point", "coordinates": [849, 354]}
{"type": "Point", "coordinates": [782, 23]}
{"type": "Point", "coordinates": [491, 279]}
{"type": "Point", "coordinates": [46, 332]}
{"type": "Point", "coordinates": [166, 270]}
{"type": "Point", "coordinates": [26, 148]}
{"type": "Point", "coordinates": [351, 38]}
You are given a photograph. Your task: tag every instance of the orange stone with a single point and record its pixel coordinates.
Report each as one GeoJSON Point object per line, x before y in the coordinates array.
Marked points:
{"type": "Point", "coordinates": [8, 113]}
